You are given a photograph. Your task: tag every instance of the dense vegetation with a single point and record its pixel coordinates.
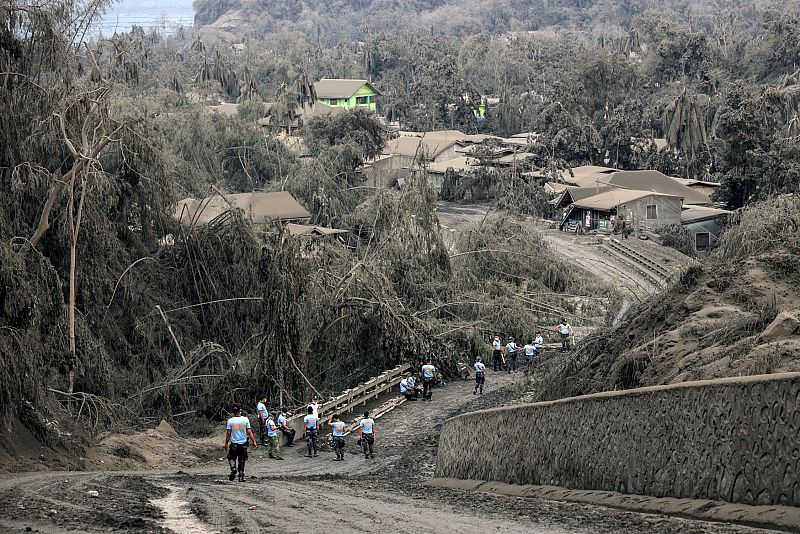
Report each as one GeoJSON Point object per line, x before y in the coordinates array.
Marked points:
{"type": "Point", "coordinates": [110, 308]}
{"type": "Point", "coordinates": [720, 83]}
{"type": "Point", "coordinates": [114, 311]}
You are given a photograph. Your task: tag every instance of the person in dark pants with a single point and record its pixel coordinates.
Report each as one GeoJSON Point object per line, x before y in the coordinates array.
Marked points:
{"type": "Point", "coordinates": [497, 354]}
{"type": "Point", "coordinates": [236, 438]}
{"type": "Point", "coordinates": [311, 424]}
{"type": "Point", "coordinates": [480, 375]}
{"type": "Point", "coordinates": [263, 415]}
{"type": "Point", "coordinates": [338, 429]}
{"type": "Point", "coordinates": [428, 380]}
{"type": "Point", "coordinates": [283, 425]}
{"type": "Point", "coordinates": [367, 428]}
{"type": "Point", "coordinates": [511, 348]}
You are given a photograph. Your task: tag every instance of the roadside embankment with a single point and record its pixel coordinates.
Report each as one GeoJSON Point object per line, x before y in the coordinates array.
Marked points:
{"type": "Point", "coordinates": [730, 439]}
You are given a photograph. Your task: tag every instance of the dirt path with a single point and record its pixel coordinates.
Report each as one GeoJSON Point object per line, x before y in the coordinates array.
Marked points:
{"type": "Point", "coordinates": [583, 251]}
{"type": "Point", "coordinates": [314, 495]}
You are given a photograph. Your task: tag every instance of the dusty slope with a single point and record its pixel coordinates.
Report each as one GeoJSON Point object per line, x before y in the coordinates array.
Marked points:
{"type": "Point", "coordinates": [736, 314]}
{"type": "Point", "coordinates": [385, 494]}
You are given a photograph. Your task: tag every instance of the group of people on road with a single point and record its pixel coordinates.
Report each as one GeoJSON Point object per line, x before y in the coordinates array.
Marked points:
{"type": "Point", "coordinates": [239, 434]}
{"type": "Point", "coordinates": [504, 356]}
{"type": "Point", "coordinates": [412, 385]}
{"type": "Point", "coordinates": [272, 424]}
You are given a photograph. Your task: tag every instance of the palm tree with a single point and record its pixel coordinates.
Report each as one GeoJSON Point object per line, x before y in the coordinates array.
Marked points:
{"type": "Point", "coordinates": [633, 44]}
{"type": "Point", "coordinates": [788, 89]}
{"type": "Point", "coordinates": [684, 124]}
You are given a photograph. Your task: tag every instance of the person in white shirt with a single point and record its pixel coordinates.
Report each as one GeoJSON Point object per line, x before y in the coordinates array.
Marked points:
{"type": "Point", "coordinates": [530, 352]}
{"type": "Point", "coordinates": [428, 380]}
{"type": "Point", "coordinates": [565, 329]}
{"type": "Point", "coordinates": [314, 405]}
{"type": "Point", "coordinates": [480, 375]}
{"type": "Point", "coordinates": [538, 342]}
{"type": "Point", "coordinates": [511, 352]}
{"type": "Point", "coordinates": [497, 354]}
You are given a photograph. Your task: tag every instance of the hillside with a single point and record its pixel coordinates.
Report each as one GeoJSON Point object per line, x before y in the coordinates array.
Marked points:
{"type": "Point", "coordinates": [736, 314]}
{"type": "Point", "coordinates": [330, 21]}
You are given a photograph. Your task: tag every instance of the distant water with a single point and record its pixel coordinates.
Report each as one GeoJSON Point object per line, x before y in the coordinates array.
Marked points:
{"type": "Point", "coordinates": [165, 15]}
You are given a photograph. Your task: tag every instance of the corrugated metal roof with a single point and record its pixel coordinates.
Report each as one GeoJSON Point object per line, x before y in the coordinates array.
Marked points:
{"type": "Point", "coordinates": [340, 88]}
{"type": "Point", "coordinates": [409, 146]}
{"type": "Point", "coordinates": [586, 175]}
{"type": "Point", "coordinates": [699, 213]}
{"type": "Point", "coordinates": [457, 164]}
{"type": "Point", "coordinates": [657, 182]}
{"type": "Point", "coordinates": [616, 197]}
{"type": "Point", "coordinates": [259, 207]}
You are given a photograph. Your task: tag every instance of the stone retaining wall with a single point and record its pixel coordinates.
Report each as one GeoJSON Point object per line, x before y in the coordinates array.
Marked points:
{"type": "Point", "coordinates": [733, 439]}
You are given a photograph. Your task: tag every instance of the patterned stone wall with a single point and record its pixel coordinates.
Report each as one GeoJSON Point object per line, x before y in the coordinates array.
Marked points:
{"type": "Point", "coordinates": [733, 439]}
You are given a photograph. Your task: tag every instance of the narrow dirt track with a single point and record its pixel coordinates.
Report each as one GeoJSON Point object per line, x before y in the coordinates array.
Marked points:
{"type": "Point", "coordinates": [314, 495]}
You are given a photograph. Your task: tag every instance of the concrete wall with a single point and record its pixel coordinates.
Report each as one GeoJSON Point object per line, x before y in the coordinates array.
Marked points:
{"type": "Point", "coordinates": [735, 439]}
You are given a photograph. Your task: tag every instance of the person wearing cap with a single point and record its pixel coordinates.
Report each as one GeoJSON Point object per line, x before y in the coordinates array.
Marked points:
{"type": "Point", "coordinates": [480, 375]}
{"type": "Point", "coordinates": [311, 425]}
{"type": "Point", "coordinates": [338, 428]}
{"type": "Point", "coordinates": [497, 353]}
{"type": "Point", "coordinates": [511, 351]}
{"type": "Point", "coordinates": [286, 430]}
{"type": "Point", "coordinates": [272, 435]}
{"type": "Point", "coordinates": [236, 439]}
{"type": "Point", "coordinates": [263, 415]}
{"type": "Point", "coordinates": [428, 380]}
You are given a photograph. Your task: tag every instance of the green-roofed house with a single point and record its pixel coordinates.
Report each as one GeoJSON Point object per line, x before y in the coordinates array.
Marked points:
{"type": "Point", "coordinates": [348, 94]}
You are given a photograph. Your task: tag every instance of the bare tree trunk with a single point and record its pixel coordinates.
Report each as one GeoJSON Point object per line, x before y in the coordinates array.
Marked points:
{"type": "Point", "coordinates": [74, 229]}
{"type": "Point", "coordinates": [58, 189]}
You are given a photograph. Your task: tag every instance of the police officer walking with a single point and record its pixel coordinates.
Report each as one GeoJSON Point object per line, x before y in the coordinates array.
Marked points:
{"type": "Point", "coordinates": [236, 439]}
{"type": "Point", "coordinates": [480, 375]}
{"type": "Point", "coordinates": [367, 439]}
{"type": "Point", "coordinates": [428, 380]}
{"type": "Point", "coordinates": [338, 428]}
{"type": "Point", "coordinates": [263, 415]}
{"type": "Point", "coordinates": [311, 425]}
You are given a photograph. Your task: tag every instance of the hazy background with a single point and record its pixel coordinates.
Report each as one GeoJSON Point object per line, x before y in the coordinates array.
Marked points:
{"type": "Point", "coordinates": [146, 13]}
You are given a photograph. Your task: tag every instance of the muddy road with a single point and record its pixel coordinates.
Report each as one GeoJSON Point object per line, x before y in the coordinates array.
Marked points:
{"type": "Point", "coordinates": [301, 494]}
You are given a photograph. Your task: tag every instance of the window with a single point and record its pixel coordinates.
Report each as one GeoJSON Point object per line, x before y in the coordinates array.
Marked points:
{"type": "Point", "coordinates": [362, 100]}
{"type": "Point", "coordinates": [652, 212]}
{"type": "Point", "coordinates": [333, 101]}
{"type": "Point", "coordinates": [702, 240]}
